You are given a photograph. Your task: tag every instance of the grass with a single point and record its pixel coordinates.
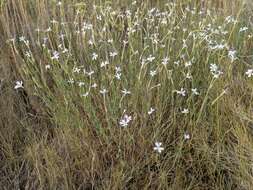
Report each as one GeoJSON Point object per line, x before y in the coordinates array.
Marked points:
{"type": "Point", "coordinates": [125, 95]}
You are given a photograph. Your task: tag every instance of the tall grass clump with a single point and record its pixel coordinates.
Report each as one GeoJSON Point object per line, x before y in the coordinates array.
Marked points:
{"type": "Point", "coordinates": [126, 95]}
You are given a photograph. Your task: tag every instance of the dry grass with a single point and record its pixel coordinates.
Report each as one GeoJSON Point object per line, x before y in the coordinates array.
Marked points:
{"type": "Point", "coordinates": [52, 137]}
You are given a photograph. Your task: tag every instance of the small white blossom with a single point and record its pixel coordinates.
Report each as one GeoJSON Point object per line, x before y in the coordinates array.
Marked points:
{"type": "Point", "coordinates": [47, 67]}
{"type": "Point", "coordinates": [232, 55]}
{"type": "Point", "coordinates": [185, 111]}
{"type": "Point", "coordinates": [213, 68]}
{"type": "Point", "coordinates": [104, 63]}
{"type": "Point", "coordinates": [181, 92]}
{"type": "Point", "coordinates": [54, 21]}
{"type": "Point", "coordinates": [65, 50]}
{"type": "Point", "coordinates": [152, 110]}
{"type": "Point", "coordinates": [76, 70]}
{"type": "Point", "coordinates": [55, 56]}
{"type": "Point", "coordinates": [215, 71]}
{"type": "Point", "coordinates": [125, 92]}
{"type": "Point", "coordinates": [176, 62]}
{"type": "Point", "coordinates": [217, 74]}
{"type": "Point", "coordinates": [165, 61]}
{"type": "Point", "coordinates": [153, 73]}
{"type": "Point", "coordinates": [118, 75]}
{"type": "Point", "coordinates": [118, 69]}
{"type": "Point", "coordinates": [94, 56]}
{"type": "Point", "coordinates": [113, 54]}
{"type": "Point", "coordinates": [110, 41]}
{"type": "Point", "coordinates": [103, 91]}
{"type": "Point", "coordinates": [94, 85]}
{"type": "Point", "coordinates": [85, 94]}
{"type": "Point", "coordinates": [22, 38]}
{"type": "Point", "coordinates": [90, 42]}
{"type": "Point", "coordinates": [124, 122]}
{"type": "Point", "coordinates": [249, 73]}
{"type": "Point", "coordinates": [150, 58]}
{"type": "Point", "coordinates": [49, 29]}
{"type": "Point", "coordinates": [19, 84]}
{"type": "Point", "coordinates": [187, 136]}
{"type": "Point", "coordinates": [90, 73]}
{"type": "Point", "coordinates": [158, 147]}
{"type": "Point", "coordinates": [80, 84]}
{"type": "Point", "coordinates": [71, 81]}
{"type": "Point", "coordinates": [28, 54]}
{"type": "Point", "coordinates": [188, 76]}
{"type": "Point", "coordinates": [243, 29]}
{"type": "Point", "coordinates": [188, 64]}
{"type": "Point", "coordinates": [195, 91]}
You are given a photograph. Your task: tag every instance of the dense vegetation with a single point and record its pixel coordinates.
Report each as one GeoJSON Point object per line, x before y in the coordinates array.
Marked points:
{"type": "Point", "coordinates": [126, 95]}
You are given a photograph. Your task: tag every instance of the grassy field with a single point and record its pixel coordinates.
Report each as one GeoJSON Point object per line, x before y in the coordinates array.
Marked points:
{"type": "Point", "coordinates": [126, 95]}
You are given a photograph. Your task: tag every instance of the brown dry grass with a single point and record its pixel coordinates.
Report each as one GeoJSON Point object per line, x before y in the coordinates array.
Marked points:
{"type": "Point", "coordinates": [41, 151]}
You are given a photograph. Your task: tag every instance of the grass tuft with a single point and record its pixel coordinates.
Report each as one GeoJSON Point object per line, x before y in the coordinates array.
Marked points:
{"type": "Point", "coordinates": [126, 95]}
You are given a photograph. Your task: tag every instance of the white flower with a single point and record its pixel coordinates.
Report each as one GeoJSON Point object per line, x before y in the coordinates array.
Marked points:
{"type": "Point", "coordinates": [19, 84]}
{"type": "Point", "coordinates": [152, 73]}
{"type": "Point", "coordinates": [125, 92]}
{"type": "Point", "coordinates": [49, 29]}
{"type": "Point", "coordinates": [230, 19]}
{"type": "Point", "coordinates": [104, 63]}
{"type": "Point", "coordinates": [94, 85]}
{"type": "Point", "coordinates": [150, 58]}
{"type": "Point", "coordinates": [103, 91]}
{"type": "Point", "coordinates": [176, 62]}
{"type": "Point", "coordinates": [125, 42]}
{"type": "Point", "coordinates": [76, 70]}
{"type": "Point", "coordinates": [188, 64]}
{"type": "Point", "coordinates": [249, 73]}
{"type": "Point", "coordinates": [134, 3]}
{"type": "Point", "coordinates": [195, 91]}
{"type": "Point", "coordinates": [217, 74]}
{"type": "Point", "coordinates": [185, 111]}
{"type": "Point", "coordinates": [215, 71]}
{"type": "Point", "coordinates": [22, 39]}
{"type": "Point", "coordinates": [71, 81]}
{"type": "Point", "coordinates": [99, 17]}
{"type": "Point", "coordinates": [55, 56]}
{"type": "Point", "coordinates": [80, 84]}
{"type": "Point", "coordinates": [54, 21]}
{"type": "Point", "coordinates": [181, 92]}
{"type": "Point", "coordinates": [90, 42]}
{"type": "Point", "coordinates": [48, 67]}
{"type": "Point", "coordinates": [28, 54]}
{"type": "Point", "coordinates": [213, 67]}
{"type": "Point", "coordinates": [90, 73]}
{"type": "Point", "coordinates": [65, 50]}
{"type": "Point", "coordinates": [87, 26]}
{"type": "Point", "coordinates": [165, 61]}
{"type": "Point", "coordinates": [158, 147]}
{"type": "Point", "coordinates": [151, 111]}
{"type": "Point", "coordinates": [243, 29]}
{"type": "Point", "coordinates": [118, 75]}
{"type": "Point", "coordinates": [110, 41]}
{"type": "Point", "coordinates": [125, 120]}
{"type": "Point", "coordinates": [85, 94]}
{"type": "Point", "coordinates": [188, 76]}
{"type": "Point", "coordinates": [187, 136]}
{"type": "Point", "coordinates": [118, 69]}
{"type": "Point", "coordinates": [232, 55]}
{"type": "Point", "coordinates": [113, 54]}
{"type": "Point", "coordinates": [94, 56]}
